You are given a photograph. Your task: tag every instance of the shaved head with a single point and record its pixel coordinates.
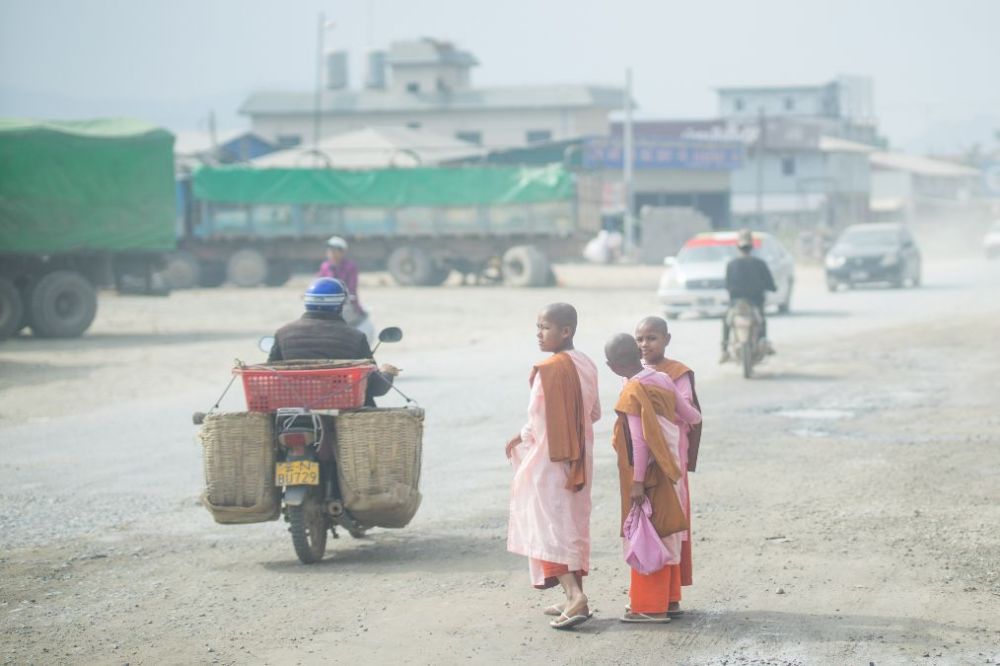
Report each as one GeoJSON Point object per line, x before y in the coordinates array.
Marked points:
{"type": "Point", "coordinates": [657, 324]}
{"type": "Point", "coordinates": [622, 351]}
{"type": "Point", "coordinates": [560, 314]}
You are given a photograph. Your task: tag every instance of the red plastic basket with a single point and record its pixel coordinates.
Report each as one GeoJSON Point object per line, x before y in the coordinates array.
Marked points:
{"type": "Point", "coordinates": [268, 389]}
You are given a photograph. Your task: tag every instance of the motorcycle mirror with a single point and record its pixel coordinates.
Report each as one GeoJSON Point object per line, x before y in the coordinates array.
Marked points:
{"type": "Point", "coordinates": [266, 343]}
{"type": "Point", "coordinates": [390, 334]}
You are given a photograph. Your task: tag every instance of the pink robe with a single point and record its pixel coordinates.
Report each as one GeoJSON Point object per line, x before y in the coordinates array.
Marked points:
{"type": "Point", "coordinates": [547, 520]}
{"type": "Point", "coordinates": [676, 437]}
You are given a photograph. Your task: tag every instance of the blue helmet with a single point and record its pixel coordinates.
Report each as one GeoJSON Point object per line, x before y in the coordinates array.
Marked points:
{"type": "Point", "coordinates": [325, 295]}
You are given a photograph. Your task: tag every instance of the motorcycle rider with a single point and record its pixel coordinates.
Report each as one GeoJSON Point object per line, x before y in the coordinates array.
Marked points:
{"type": "Point", "coordinates": [322, 334]}
{"type": "Point", "coordinates": [747, 278]}
{"type": "Point", "coordinates": [340, 267]}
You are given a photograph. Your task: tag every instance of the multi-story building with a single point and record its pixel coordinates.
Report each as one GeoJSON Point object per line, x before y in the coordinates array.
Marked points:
{"type": "Point", "coordinates": [427, 84]}
{"type": "Point", "coordinates": [807, 152]}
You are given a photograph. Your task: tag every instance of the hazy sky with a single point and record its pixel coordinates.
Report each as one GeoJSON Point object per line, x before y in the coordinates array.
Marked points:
{"type": "Point", "coordinates": [935, 63]}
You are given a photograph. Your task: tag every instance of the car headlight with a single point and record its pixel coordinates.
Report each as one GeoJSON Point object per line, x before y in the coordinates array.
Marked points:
{"type": "Point", "coordinates": [835, 260]}
{"type": "Point", "coordinates": [670, 280]}
{"type": "Point", "coordinates": [890, 260]}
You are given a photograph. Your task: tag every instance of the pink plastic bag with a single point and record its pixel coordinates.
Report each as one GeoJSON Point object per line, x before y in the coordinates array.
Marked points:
{"type": "Point", "coordinates": [644, 550]}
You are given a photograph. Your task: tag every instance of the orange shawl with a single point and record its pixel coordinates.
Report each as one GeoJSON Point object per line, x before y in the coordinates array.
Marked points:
{"type": "Point", "coordinates": [648, 402]}
{"type": "Point", "coordinates": [675, 370]}
{"type": "Point", "coordinates": [564, 415]}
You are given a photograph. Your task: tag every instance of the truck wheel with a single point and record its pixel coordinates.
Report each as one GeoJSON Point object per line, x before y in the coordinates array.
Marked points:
{"type": "Point", "coordinates": [11, 309]}
{"type": "Point", "coordinates": [183, 271]}
{"type": "Point", "coordinates": [412, 267]}
{"type": "Point", "coordinates": [278, 273]}
{"type": "Point", "coordinates": [63, 305]}
{"type": "Point", "coordinates": [525, 266]}
{"type": "Point", "coordinates": [246, 268]}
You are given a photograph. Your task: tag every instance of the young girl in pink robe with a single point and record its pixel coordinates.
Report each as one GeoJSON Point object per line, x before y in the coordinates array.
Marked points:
{"type": "Point", "coordinates": [549, 517]}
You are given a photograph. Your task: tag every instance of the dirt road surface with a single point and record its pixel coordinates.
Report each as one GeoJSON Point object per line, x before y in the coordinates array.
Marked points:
{"type": "Point", "coordinates": [846, 507]}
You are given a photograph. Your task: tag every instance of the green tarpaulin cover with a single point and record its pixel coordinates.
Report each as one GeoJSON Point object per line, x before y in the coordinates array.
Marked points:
{"type": "Point", "coordinates": [87, 185]}
{"type": "Point", "coordinates": [384, 188]}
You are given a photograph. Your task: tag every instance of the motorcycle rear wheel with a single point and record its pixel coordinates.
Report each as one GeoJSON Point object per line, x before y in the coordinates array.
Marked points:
{"type": "Point", "coordinates": [308, 525]}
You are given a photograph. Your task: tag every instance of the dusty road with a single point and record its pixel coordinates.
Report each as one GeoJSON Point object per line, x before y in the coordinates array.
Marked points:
{"type": "Point", "coordinates": [846, 506]}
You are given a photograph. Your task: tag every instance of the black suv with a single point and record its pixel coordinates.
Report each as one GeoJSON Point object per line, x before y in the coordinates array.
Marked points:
{"type": "Point", "coordinates": [870, 253]}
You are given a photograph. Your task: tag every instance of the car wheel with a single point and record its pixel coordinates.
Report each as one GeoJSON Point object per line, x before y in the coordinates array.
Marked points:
{"type": "Point", "coordinates": [671, 314]}
{"type": "Point", "coordinates": [832, 285]}
{"type": "Point", "coordinates": [786, 305]}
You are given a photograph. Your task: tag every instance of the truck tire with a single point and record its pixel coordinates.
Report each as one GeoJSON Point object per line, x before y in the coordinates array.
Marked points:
{"type": "Point", "coordinates": [246, 268]}
{"type": "Point", "coordinates": [11, 309]}
{"type": "Point", "coordinates": [63, 305]}
{"type": "Point", "coordinates": [278, 273]}
{"type": "Point", "coordinates": [183, 271]}
{"type": "Point", "coordinates": [525, 266]}
{"type": "Point", "coordinates": [412, 267]}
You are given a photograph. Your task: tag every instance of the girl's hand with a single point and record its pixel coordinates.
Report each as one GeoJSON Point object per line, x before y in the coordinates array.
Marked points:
{"type": "Point", "coordinates": [514, 441]}
{"type": "Point", "coordinates": [638, 493]}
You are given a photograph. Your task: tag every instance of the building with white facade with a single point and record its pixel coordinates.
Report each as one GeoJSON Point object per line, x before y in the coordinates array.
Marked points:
{"type": "Point", "coordinates": [427, 84]}
{"type": "Point", "coordinates": [807, 152]}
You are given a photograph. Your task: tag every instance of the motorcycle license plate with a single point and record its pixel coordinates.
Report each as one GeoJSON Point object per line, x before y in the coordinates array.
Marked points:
{"type": "Point", "coordinates": [859, 275]}
{"type": "Point", "coordinates": [296, 473]}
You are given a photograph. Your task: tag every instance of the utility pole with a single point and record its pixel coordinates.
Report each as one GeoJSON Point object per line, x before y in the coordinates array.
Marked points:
{"type": "Point", "coordinates": [318, 102]}
{"type": "Point", "coordinates": [628, 160]}
{"type": "Point", "coordinates": [759, 155]}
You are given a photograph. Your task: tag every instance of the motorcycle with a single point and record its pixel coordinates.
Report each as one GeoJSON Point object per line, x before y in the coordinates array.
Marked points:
{"type": "Point", "coordinates": [746, 346]}
{"type": "Point", "coordinates": [305, 465]}
{"type": "Point", "coordinates": [311, 497]}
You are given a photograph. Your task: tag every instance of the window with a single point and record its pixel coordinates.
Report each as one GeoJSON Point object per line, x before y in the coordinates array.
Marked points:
{"type": "Point", "coordinates": [413, 124]}
{"type": "Point", "coordinates": [288, 140]}
{"type": "Point", "coordinates": [789, 103]}
{"type": "Point", "coordinates": [538, 136]}
{"type": "Point", "coordinates": [738, 104]}
{"type": "Point", "coordinates": [787, 166]}
{"type": "Point", "coordinates": [413, 87]}
{"type": "Point", "coordinates": [471, 137]}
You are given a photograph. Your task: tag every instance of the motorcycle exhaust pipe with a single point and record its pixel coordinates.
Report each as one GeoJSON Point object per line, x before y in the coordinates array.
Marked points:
{"type": "Point", "coordinates": [335, 508]}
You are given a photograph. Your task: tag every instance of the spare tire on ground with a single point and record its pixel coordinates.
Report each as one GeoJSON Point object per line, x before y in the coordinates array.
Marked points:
{"type": "Point", "coordinates": [11, 309]}
{"type": "Point", "coordinates": [63, 305]}
{"type": "Point", "coordinates": [525, 266]}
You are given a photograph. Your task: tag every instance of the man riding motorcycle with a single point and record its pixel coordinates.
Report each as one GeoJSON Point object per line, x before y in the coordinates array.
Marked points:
{"type": "Point", "coordinates": [747, 278]}
{"type": "Point", "coordinates": [322, 334]}
{"type": "Point", "coordinates": [340, 267]}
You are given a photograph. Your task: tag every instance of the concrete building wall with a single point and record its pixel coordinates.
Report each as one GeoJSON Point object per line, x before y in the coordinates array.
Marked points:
{"type": "Point", "coordinates": [497, 128]}
{"type": "Point", "coordinates": [749, 104]}
{"type": "Point", "coordinates": [428, 78]}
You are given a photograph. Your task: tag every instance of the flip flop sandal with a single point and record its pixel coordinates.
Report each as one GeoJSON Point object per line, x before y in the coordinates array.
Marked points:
{"type": "Point", "coordinates": [642, 618]}
{"type": "Point", "coordinates": [567, 622]}
{"type": "Point", "coordinates": [675, 613]}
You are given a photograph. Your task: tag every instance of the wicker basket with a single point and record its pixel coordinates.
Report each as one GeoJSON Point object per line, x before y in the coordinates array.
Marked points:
{"type": "Point", "coordinates": [239, 468]}
{"type": "Point", "coordinates": [378, 464]}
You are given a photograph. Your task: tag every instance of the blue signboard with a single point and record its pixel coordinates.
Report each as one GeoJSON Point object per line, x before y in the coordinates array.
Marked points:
{"type": "Point", "coordinates": [677, 154]}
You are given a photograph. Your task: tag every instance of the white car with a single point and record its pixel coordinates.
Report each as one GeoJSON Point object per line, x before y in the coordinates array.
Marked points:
{"type": "Point", "coordinates": [991, 242]}
{"type": "Point", "coordinates": [695, 280]}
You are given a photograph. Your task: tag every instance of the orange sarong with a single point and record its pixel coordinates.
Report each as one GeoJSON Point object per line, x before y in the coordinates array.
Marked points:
{"type": "Point", "coordinates": [655, 592]}
{"type": "Point", "coordinates": [552, 571]}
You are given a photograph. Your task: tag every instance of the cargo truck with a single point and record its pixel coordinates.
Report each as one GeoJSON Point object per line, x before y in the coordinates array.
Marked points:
{"type": "Point", "coordinates": [83, 205]}
{"type": "Point", "coordinates": [255, 227]}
